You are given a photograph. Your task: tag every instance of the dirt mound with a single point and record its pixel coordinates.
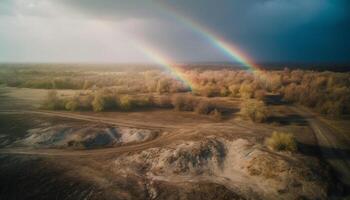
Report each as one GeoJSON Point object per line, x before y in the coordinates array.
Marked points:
{"type": "Point", "coordinates": [40, 178]}
{"type": "Point", "coordinates": [247, 169]}
{"type": "Point", "coordinates": [192, 157]}
{"type": "Point", "coordinates": [61, 136]}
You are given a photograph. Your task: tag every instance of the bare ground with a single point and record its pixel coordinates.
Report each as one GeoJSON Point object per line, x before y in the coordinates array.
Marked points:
{"type": "Point", "coordinates": [177, 164]}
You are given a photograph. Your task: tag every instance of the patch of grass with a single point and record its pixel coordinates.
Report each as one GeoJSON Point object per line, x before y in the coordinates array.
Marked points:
{"type": "Point", "coordinates": [280, 141]}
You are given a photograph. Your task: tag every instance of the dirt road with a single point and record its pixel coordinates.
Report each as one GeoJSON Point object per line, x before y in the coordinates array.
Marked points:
{"type": "Point", "coordinates": [104, 120]}
{"type": "Point", "coordinates": [168, 135]}
{"type": "Point", "coordinates": [333, 145]}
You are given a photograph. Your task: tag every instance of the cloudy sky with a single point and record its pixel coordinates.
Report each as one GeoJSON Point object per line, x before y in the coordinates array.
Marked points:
{"type": "Point", "coordinates": [106, 30]}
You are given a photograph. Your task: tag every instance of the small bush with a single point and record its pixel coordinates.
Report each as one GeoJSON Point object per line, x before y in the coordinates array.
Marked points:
{"type": "Point", "coordinates": [183, 102]}
{"type": "Point", "coordinates": [178, 102]}
{"type": "Point", "coordinates": [203, 108]}
{"type": "Point", "coordinates": [52, 101]}
{"type": "Point", "coordinates": [224, 92]}
{"type": "Point", "coordinates": [98, 104]}
{"type": "Point", "coordinates": [163, 86]}
{"type": "Point", "coordinates": [144, 101]}
{"type": "Point", "coordinates": [85, 102]}
{"type": "Point", "coordinates": [126, 103]}
{"type": "Point", "coordinates": [246, 91]}
{"type": "Point", "coordinates": [72, 104]}
{"type": "Point", "coordinates": [209, 91]}
{"type": "Point", "coordinates": [216, 114]}
{"type": "Point", "coordinates": [259, 94]}
{"type": "Point", "coordinates": [86, 85]}
{"type": "Point", "coordinates": [290, 93]}
{"type": "Point", "coordinates": [280, 141]}
{"type": "Point", "coordinates": [110, 102]}
{"type": "Point", "coordinates": [331, 109]}
{"type": "Point", "coordinates": [255, 110]}
{"type": "Point", "coordinates": [274, 82]}
{"type": "Point", "coordinates": [164, 102]}
{"type": "Point", "coordinates": [234, 90]}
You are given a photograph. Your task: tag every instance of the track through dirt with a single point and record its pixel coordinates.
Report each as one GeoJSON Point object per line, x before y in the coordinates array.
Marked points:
{"type": "Point", "coordinates": [334, 146]}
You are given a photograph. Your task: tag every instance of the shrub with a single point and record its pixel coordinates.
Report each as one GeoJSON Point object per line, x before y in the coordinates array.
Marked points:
{"type": "Point", "coordinates": [216, 114]}
{"type": "Point", "coordinates": [151, 86]}
{"type": "Point", "coordinates": [246, 91]}
{"type": "Point", "coordinates": [163, 86]}
{"type": "Point", "coordinates": [126, 103]}
{"type": "Point", "coordinates": [85, 102]}
{"type": "Point", "coordinates": [255, 110]}
{"type": "Point", "coordinates": [280, 141]}
{"type": "Point", "coordinates": [178, 102]}
{"type": "Point", "coordinates": [234, 90]}
{"type": "Point", "coordinates": [66, 83]}
{"type": "Point", "coordinates": [203, 107]}
{"type": "Point", "coordinates": [165, 102]}
{"type": "Point", "coordinates": [72, 104]}
{"type": "Point", "coordinates": [39, 84]}
{"type": "Point", "coordinates": [52, 101]}
{"type": "Point", "coordinates": [332, 109]}
{"type": "Point", "coordinates": [290, 93]}
{"type": "Point", "coordinates": [224, 92]}
{"type": "Point", "coordinates": [209, 91]}
{"type": "Point", "coordinates": [183, 102]}
{"type": "Point", "coordinates": [274, 82]}
{"type": "Point", "coordinates": [110, 101]}
{"type": "Point", "coordinates": [98, 104]}
{"type": "Point", "coordinates": [86, 85]}
{"type": "Point", "coordinates": [259, 94]}
{"type": "Point", "coordinates": [144, 101]}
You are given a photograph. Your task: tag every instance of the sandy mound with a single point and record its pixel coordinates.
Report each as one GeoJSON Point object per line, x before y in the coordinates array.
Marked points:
{"type": "Point", "coordinates": [84, 137]}
{"type": "Point", "coordinates": [249, 170]}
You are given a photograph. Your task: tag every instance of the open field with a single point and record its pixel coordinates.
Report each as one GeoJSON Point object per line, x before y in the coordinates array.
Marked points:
{"type": "Point", "coordinates": [141, 134]}
{"type": "Point", "coordinates": [174, 100]}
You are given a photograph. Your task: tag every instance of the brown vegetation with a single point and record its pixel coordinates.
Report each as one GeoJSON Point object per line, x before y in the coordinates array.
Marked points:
{"type": "Point", "coordinates": [280, 141]}
{"type": "Point", "coordinates": [216, 114]}
{"type": "Point", "coordinates": [184, 102]}
{"type": "Point", "coordinates": [325, 92]}
{"type": "Point", "coordinates": [254, 110]}
{"type": "Point", "coordinates": [203, 107]}
{"type": "Point", "coordinates": [52, 101]}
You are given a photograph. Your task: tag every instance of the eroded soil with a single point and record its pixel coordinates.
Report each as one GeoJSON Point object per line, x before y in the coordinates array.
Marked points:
{"type": "Point", "coordinates": [142, 155]}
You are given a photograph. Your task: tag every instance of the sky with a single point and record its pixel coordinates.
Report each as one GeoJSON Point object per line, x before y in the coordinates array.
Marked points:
{"type": "Point", "coordinates": [107, 30]}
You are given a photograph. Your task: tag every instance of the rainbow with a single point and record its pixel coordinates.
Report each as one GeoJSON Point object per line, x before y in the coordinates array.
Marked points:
{"type": "Point", "coordinates": [165, 62]}
{"type": "Point", "coordinates": [229, 49]}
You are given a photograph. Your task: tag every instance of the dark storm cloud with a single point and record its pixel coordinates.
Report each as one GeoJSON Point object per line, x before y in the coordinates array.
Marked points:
{"type": "Point", "coordinates": [277, 30]}
{"type": "Point", "coordinates": [280, 30]}
{"type": "Point", "coordinates": [267, 30]}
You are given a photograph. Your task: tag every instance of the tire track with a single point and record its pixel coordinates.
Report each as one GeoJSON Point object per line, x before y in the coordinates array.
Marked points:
{"type": "Point", "coordinates": [333, 146]}
{"type": "Point", "coordinates": [103, 120]}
